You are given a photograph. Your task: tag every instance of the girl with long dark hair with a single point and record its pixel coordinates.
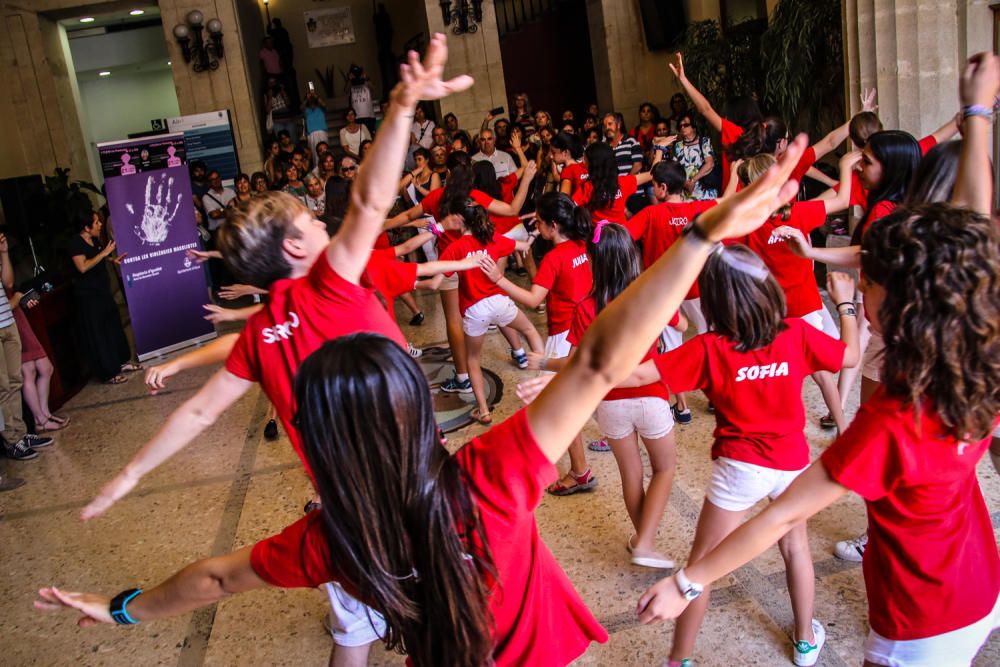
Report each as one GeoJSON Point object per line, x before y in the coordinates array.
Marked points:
{"type": "Point", "coordinates": [451, 200]}
{"type": "Point", "coordinates": [604, 192]}
{"type": "Point", "coordinates": [567, 155]}
{"type": "Point", "coordinates": [482, 303]}
{"type": "Point", "coordinates": [563, 280]}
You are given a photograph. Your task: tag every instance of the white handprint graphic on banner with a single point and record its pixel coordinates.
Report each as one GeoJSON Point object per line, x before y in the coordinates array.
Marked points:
{"type": "Point", "coordinates": [157, 213]}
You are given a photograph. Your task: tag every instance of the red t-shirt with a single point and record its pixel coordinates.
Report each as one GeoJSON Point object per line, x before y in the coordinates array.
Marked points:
{"type": "Point", "coordinates": [583, 315]}
{"type": "Point", "coordinates": [806, 162]}
{"type": "Point", "coordinates": [508, 187]}
{"type": "Point", "coordinates": [565, 273]}
{"type": "Point", "coordinates": [730, 133]}
{"type": "Point", "coordinates": [644, 137]}
{"type": "Point", "coordinates": [389, 277]}
{"type": "Point", "coordinates": [474, 286]}
{"type": "Point", "coordinates": [859, 195]}
{"type": "Point", "coordinates": [576, 174]}
{"type": "Point", "coordinates": [533, 602]}
{"type": "Point", "coordinates": [301, 314]}
{"type": "Point", "coordinates": [616, 211]}
{"type": "Point", "coordinates": [431, 205]}
{"type": "Point", "coordinates": [931, 564]}
{"type": "Point", "coordinates": [759, 416]}
{"type": "Point", "coordinates": [660, 225]}
{"type": "Point", "coordinates": [793, 273]}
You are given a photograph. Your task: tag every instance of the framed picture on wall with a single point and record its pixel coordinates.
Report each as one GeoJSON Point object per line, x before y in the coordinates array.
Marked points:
{"type": "Point", "coordinates": [329, 27]}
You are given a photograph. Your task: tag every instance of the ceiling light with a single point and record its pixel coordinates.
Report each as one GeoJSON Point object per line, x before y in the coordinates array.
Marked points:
{"type": "Point", "coordinates": [87, 19]}
{"type": "Point", "coordinates": [169, 63]}
{"type": "Point", "coordinates": [104, 73]}
{"type": "Point", "coordinates": [137, 12]}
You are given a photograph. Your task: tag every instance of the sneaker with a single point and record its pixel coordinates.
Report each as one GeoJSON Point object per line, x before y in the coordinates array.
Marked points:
{"type": "Point", "coordinates": [599, 445]}
{"type": "Point", "coordinates": [37, 441]}
{"type": "Point", "coordinates": [806, 654]}
{"type": "Point", "coordinates": [271, 430]}
{"type": "Point", "coordinates": [521, 359]}
{"type": "Point", "coordinates": [852, 550]}
{"type": "Point", "coordinates": [10, 483]}
{"type": "Point", "coordinates": [415, 352]}
{"type": "Point", "coordinates": [417, 319]}
{"type": "Point", "coordinates": [681, 416]}
{"type": "Point", "coordinates": [455, 386]}
{"type": "Point", "coordinates": [20, 451]}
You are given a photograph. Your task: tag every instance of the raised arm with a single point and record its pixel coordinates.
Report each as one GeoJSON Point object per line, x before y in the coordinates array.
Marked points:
{"type": "Point", "coordinates": [609, 350]}
{"type": "Point", "coordinates": [212, 353]}
{"type": "Point", "coordinates": [372, 194]}
{"type": "Point", "coordinates": [83, 264]}
{"type": "Point", "coordinates": [950, 128]}
{"type": "Point", "coordinates": [703, 106]}
{"type": "Point", "coordinates": [841, 198]}
{"type": "Point", "coordinates": [839, 134]}
{"type": "Point", "coordinates": [978, 87]}
{"type": "Point", "coordinates": [183, 426]}
{"type": "Point", "coordinates": [498, 207]}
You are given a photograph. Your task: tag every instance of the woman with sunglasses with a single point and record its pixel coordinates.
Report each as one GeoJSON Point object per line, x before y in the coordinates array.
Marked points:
{"type": "Point", "coordinates": [694, 153]}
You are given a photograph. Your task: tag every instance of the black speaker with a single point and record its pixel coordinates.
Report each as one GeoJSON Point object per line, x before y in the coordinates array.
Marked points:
{"type": "Point", "coordinates": [22, 198]}
{"type": "Point", "coordinates": [664, 23]}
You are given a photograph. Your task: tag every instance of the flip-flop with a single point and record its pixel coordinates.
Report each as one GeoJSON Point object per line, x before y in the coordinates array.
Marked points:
{"type": "Point", "coordinates": [478, 416]}
{"type": "Point", "coordinates": [57, 418]}
{"type": "Point", "coordinates": [118, 379]}
{"type": "Point", "coordinates": [43, 429]}
{"type": "Point", "coordinates": [131, 368]}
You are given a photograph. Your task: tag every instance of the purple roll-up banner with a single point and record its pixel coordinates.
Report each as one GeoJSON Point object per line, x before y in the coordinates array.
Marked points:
{"type": "Point", "coordinates": [153, 225]}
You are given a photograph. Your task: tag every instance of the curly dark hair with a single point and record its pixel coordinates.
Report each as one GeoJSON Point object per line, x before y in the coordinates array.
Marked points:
{"type": "Point", "coordinates": [940, 269]}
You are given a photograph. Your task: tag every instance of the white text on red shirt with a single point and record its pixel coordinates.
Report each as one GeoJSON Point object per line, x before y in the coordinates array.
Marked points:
{"type": "Point", "coordinates": [281, 331]}
{"type": "Point", "coordinates": [762, 372]}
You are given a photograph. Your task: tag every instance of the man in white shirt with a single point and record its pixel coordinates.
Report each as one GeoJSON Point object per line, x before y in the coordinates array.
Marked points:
{"type": "Point", "coordinates": [503, 163]}
{"type": "Point", "coordinates": [216, 200]}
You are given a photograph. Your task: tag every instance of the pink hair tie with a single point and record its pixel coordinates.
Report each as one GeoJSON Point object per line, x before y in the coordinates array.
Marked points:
{"type": "Point", "coordinates": [597, 230]}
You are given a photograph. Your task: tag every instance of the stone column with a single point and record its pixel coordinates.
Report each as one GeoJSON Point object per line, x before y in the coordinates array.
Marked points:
{"type": "Point", "coordinates": [476, 54]}
{"type": "Point", "coordinates": [913, 51]}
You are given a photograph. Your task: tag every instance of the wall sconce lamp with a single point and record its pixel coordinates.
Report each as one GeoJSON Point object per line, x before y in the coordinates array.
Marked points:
{"type": "Point", "coordinates": [465, 15]}
{"type": "Point", "coordinates": [205, 55]}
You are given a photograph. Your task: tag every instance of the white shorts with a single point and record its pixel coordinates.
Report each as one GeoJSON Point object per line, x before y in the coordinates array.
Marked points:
{"type": "Point", "coordinates": [557, 346]}
{"type": "Point", "coordinates": [950, 649]}
{"type": "Point", "coordinates": [871, 361]}
{"type": "Point", "coordinates": [736, 485]}
{"type": "Point", "coordinates": [497, 309]}
{"type": "Point", "coordinates": [692, 310]}
{"type": "Point", "coordinates": [822, 320]}
{"type": "Point", "coordinates": [671, 339]}
{"type": "Point", "coordinates": [353, 623]}
{"type": "Point", "coordinates": [448, 283]}
{"type": "Point", "coordinates": [519, 233]}
{"type": "Point", "coordinates": [649, 416]}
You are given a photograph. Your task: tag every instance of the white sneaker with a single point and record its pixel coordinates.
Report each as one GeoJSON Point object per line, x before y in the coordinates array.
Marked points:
{"type": "Point", "coordinates": [415, 352]}
{"type": "Point", "coordinates": [852, 550]}
{"type": "Point", "coordinates": [806, 654]}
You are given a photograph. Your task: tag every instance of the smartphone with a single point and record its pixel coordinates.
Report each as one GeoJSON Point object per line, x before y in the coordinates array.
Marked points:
{"type": "Point", "coordinates": [28, 297]}
{"type": "Point", "coordinates": [312, 88]}
{"type": "Point", "coordinates": [496, 112]}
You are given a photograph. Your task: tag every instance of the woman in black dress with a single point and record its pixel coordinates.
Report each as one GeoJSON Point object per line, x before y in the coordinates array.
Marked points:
{"type": "Point", "coordinates": [96, 311]}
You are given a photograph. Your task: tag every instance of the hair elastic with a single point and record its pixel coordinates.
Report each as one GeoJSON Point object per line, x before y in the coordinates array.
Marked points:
{"type": "Point", "coordinates": [597, 230]}
{"type": "Point", "coordinates": [755, 272]}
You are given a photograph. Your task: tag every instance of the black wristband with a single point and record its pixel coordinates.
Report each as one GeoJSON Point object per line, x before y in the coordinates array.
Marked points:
{"type": "Point", "coordinates": [697, 231]}
{"type": "Point", "coordinates": [118, 605]}
{"type": "Point", "coordinates": [845, 303]}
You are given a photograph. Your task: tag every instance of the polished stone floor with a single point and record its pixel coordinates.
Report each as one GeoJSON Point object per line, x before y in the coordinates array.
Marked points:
{"type": "Point", "coordinates": [231, 487]}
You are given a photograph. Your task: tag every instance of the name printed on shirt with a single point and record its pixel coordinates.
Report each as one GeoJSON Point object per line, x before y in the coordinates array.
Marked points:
{"type": "Point", "coordinates": [774, 238]}
{"type": "Point", "coordinates": [281, 331]}
{"type": "Point", "coordinates": [580, 260]}
{"type": "Point", "coordinates": [762, 372]}
{"type": "Point", "coordinates": [680, 221]}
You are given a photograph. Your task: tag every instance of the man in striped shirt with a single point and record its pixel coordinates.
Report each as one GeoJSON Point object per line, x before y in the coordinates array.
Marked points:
{"type": "Point", "coordinates": [628, 152]}
{"type": "Point", "coordinates": [18, 444]}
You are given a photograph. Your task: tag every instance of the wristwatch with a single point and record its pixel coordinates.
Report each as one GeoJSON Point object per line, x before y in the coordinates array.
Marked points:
{"type": "Point", "coordinates": [689, 590]}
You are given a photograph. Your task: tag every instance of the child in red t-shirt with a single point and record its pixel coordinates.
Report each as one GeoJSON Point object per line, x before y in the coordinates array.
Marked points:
{"type": "Point", "coordinates": [753, 360]}
{"type": "Point", "coordinates": [567, 155]}
{"type": "Point", "coordinates": [483, 303]}
{"type": "Point", "coordinates": [931, 567]}
{"type": "Point", "coordinates": [605, 192]}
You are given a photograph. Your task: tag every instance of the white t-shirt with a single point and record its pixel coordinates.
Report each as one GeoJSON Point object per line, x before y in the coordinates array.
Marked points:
{"type": "Point", "coordinates": [424, 132]}
{"type": "Point", "coordinates": [214, 201]}
{"type": "Point", "coordinates": [502, 162]}
{"type": "Point", "coordinates": [361, 101]}
{"type": "Point", "coordinates": [351, 141]}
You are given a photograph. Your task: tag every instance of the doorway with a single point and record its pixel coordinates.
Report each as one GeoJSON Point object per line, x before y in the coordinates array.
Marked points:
{"type": "Point", "coordinates": [545, 49]}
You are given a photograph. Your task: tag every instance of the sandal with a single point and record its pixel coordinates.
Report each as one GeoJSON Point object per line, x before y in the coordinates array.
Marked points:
{"type": "Point", "coordinates": [44, 426]}
{"type": "Point", "coordinates": [484, 419]}
{"type": "Point", "coordinates": [584, 482]}
{"type": "Point", "coordinates": [599, 445]}
{"type": "Point", "coordinates": [118, 379]}
{"type": "Point", "coordinates": [826, 421]}
{"type": "Point", "coordinates": [129, 367]}
{"type": "Point", "coordinates": [58, 418]}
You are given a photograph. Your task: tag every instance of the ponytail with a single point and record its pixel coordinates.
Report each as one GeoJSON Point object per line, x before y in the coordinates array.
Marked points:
{"type": "Point", "coordinates": [477, 220]}
{"type": "Point", "coordinates": [573, 222]}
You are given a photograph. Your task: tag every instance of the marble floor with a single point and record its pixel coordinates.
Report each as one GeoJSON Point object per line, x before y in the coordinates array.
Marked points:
{"type": "Point", "coordinates": [231, 487]}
